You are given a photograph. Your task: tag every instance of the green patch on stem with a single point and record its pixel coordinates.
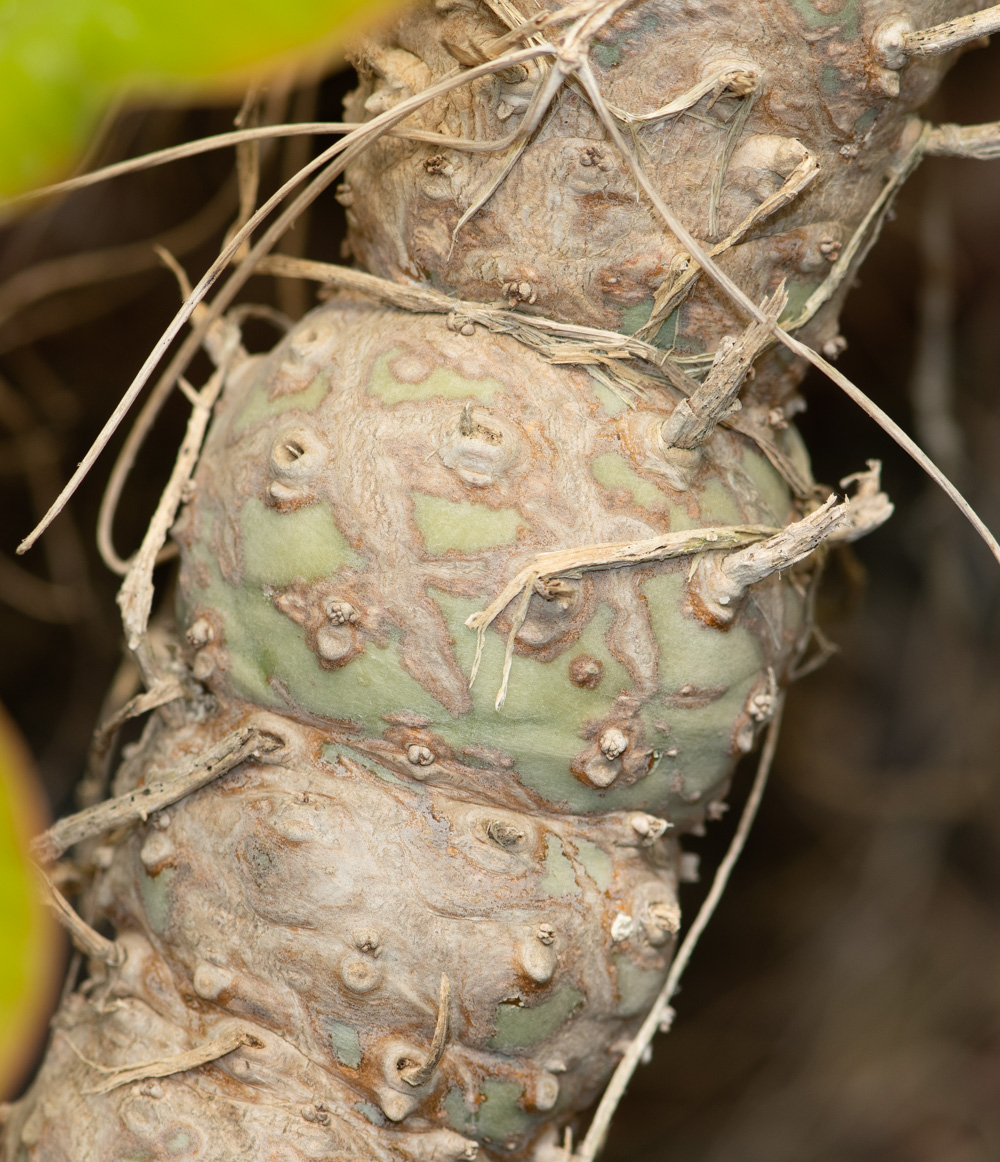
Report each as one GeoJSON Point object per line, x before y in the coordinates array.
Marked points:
{"type": "Point", "coordinates": [463, 525]}
{"type": "Point", "coordinates": [156, 897]}
{"type": "Point", "coordinates": [614, 471]}
{"type": "Point", "coordinates": [636, 316]}
{"type": "Point", "coordinates": [501, 1115]}
{"type": "Point", "coordinates": [717, 505]}
{"type": "Point", "coordinates": [637, 987]}
{"type": "Point", "coordinates": [344, 1042]}
{"type": "Point", "coordinates": [815, 17]}
{"type": "Point", "coordinates": [596, 862]}
{"type": "Point", "coordinates": [280, 547]}
{"type": "Point", "coordinates": [666, 335]}
{"type": "Point", "coordinates": [520, 1027]}
{"type": "Point", "coordinates": [258, 407]}
{"type": "Point", "coordinates": [543, 717]}
{"type": "Point", "coordinates": [681, 520]}
{"type": "Point", "coordinates": [830, 81]}
{"type": "Point", "coordinates": [799, 293]}
{"type": "Point", "coordinates": [559, 878]}
{"type": "Point", "coordinates": [461, 1119]}
{"type": "Point", "coordinates": [772, 492]}
{"type": "Point", "coordinates": [606, 55]}
{"type": "Point", "coordinates": [541, 724]}
{"type": "Point", "coordinates": [692, 653]}
{"type": "Point", "coordinates": [332, 752]}
{"type": "Point", "coordinates": [865, 121]}
{"type": "Point", "coordinates": [371, 1112]}
{"type": "Point", "coordinates": [612, 404]}
{"type": "Point", "coordinates": [267, 659]}
{"type": "Point", "coordinates": [442, 382]}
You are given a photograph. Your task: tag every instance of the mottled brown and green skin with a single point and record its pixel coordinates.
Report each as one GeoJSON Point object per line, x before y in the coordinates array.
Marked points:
{"type": "Point", "coordinates": [367, 486]}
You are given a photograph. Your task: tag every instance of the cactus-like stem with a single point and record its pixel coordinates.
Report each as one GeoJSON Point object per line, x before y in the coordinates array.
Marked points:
{"type": "Point", "coordinates": [391, 915]}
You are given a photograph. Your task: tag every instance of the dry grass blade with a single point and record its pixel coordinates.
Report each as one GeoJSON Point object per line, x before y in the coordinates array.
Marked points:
{"type": "Point", "coordinates": [535, 330]}
{"type": "Point", "coordinates": [359, 137]}
{"type": "Point", "coordinates": [672, 291]}
{"type": "Point", "coordinates": [87, 939]}
{"type": "Point", "coordinates": [180, 152]}
{"type": "Point", "coordinates": [717, 81]}
{"type": "Point", "coordinates": [136, 595]}
{"type": "Point", "coordinates": [731, 138]}
{"type": "Point", "coordinates": [723, 280]}
{"type": "Point", "coordinates": [541, 100]}
{"type": "Point", "coordinates": [212, 1050]}
{"type": "Point", "coordinates": [494, 184]}
{"type": "Point", "coordinates": [659, 1013]}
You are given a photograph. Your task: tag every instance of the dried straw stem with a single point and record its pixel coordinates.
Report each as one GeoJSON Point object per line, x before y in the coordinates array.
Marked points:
{"type": "Point", "coordinates": [85, 938]}
{"type": "Point", "coordinates": [245, 743]}
{"type": "Point", "coordinates": [211, 1050]}
{"type": "Point", "coordinates": [953, 34]}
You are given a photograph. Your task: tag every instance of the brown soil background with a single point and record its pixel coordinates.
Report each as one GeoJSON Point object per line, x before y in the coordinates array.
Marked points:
{"type": "Point", "coordinates": [844, 1005]}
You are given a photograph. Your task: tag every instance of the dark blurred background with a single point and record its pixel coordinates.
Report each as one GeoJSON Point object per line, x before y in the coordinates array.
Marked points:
{"type": "Point", "coordinates": [844, 1005]}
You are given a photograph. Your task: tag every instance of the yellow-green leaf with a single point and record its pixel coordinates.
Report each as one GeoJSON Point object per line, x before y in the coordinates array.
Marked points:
{"type": "Point", "coordinates": [30, 956]}
{"type": "Point", "coordinates": [62, 61]}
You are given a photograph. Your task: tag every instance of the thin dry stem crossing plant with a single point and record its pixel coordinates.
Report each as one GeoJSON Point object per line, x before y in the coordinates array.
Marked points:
{"type": "Point", "coordinates": [487, 576]}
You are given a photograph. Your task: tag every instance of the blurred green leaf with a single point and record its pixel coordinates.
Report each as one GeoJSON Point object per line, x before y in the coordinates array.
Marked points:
{"type": "Point", "coordinates": [29, 951]}
{"type": "Point", "coordinates": [63, 61]}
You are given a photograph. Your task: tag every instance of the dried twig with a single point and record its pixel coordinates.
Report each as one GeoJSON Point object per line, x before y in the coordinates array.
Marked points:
{"type": "Point", "coordinates": [693, 420]}
{"type": "Point", "coordinates": [87, 939]}
{"type": "Point", "coordinates": [245, 743]}
{"type": "Point", "coordinates": [980, 142]}
{"type": "Point", "coordinates": [610, 555]}
{"type": "Point", "coordinates": [952, 34]}
{"type": "Point", "coordinates": [136, 594]}
{"type": "Point", "coordinates": [92, 786]}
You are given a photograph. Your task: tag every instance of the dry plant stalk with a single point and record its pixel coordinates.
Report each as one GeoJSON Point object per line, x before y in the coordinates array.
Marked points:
{"type": "Point", "coordinates": [365, 907]}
